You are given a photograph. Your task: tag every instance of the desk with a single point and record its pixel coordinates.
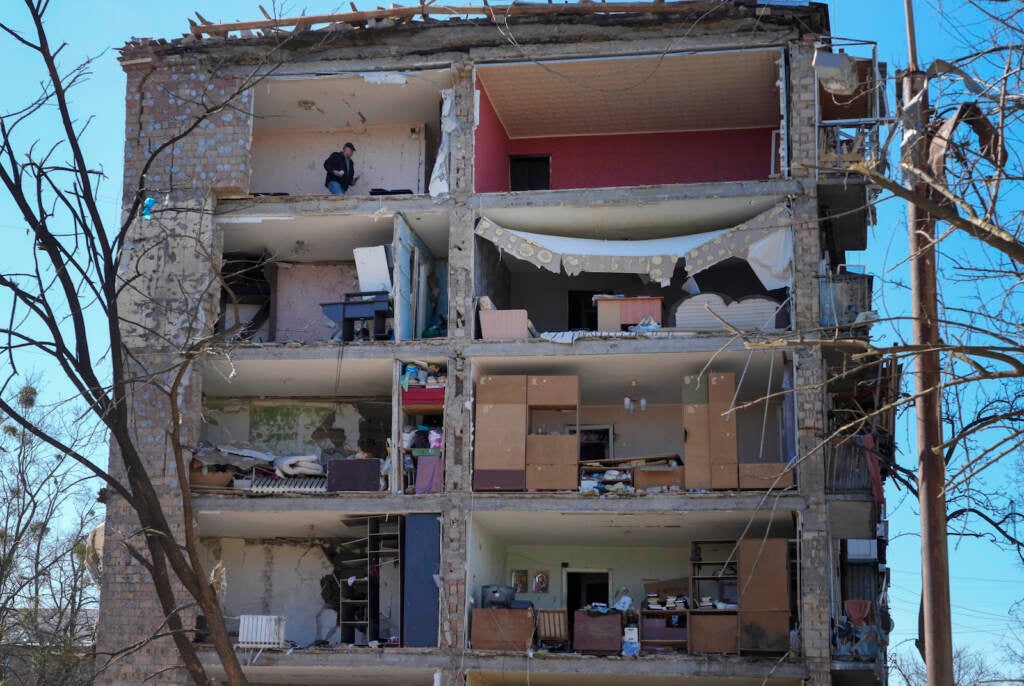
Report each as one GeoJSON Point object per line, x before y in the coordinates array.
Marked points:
{"type": "Point", "coordinates": [614, 313]}
{"type": "Point", "coordinates": [371, 305]}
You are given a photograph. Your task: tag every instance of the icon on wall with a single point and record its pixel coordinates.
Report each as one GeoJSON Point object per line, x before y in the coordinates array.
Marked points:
{"type": "Point", "coordinates": [520, 580]}
{"type": "Point", "coordinates": [540, 581]}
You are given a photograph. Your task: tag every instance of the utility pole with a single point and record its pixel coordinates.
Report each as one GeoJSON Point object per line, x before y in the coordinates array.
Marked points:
{"type": "Point", "coordinates": [931, 478]}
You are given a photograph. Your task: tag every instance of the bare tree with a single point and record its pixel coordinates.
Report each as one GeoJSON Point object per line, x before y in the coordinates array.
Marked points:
{"type": "Point", "coordinates": [67, 306]}
{"type": "Point", "coordinates": [969, 668]}
{"type": "Point", "coordinates": [47, 599]}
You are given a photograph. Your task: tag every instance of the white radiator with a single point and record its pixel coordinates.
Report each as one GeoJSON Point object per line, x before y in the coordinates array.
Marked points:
{"type": "Point", "coordinates": [261, 631]}
{"type": "Point", "coordinates": [305, 484]}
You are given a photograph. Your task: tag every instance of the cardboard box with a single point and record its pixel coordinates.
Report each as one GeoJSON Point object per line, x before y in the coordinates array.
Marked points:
{"type": "Point", "coordinates": [501, 390]}
{"type": "Point", "coordinates": [722, 433]}
{"type": "Point", "coordinates": [695, 389]}
{"type": "Point", "coordinates": [649, 477]}
{"type": "Point", "coordinates": [713, 633]}
{"type": "Point", "coordinates": [502, 629]}
{"type": "Point", "coordinates": [721, 388]}
{"type": "Point", "coordinates": [499, 479]}
{"type": "Point", "coordinates": [549, 477]}
{"type": "Point", "coordinates": [697, 448]}
{"type": "Point", "coordinates": [553, 450]}
{"type": "Point", "coordinates": [553, 391]}
{"type": "Point", "coordinates": [499, 437]}
{"type": "Point", "coordinates": [504, 325]}
{"type": "Point", "coordinates": [725, 476]}
{"type": "Point", "coordinates": [766, 562]}
{"type": "Point", "coordinates": [765, 631]}
{"type": "Point", "coordinates": [761, 475]}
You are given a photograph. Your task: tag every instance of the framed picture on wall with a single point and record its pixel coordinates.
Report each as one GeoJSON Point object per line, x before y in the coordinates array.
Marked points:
{"type": "Point", "coordinates": [597, 441]}
{"type": "Point", "coordinates": [541, 580]}
{"type": "Point", "coordinates": [520, 580]}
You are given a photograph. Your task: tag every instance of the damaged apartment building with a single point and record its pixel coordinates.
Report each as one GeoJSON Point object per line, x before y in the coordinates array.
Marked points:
{"type": "Point", "coordinates": [538, 401]}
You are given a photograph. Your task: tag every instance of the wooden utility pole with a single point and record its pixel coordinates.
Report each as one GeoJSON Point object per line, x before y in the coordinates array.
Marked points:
{"type": "Point", "coordinates": [931, 478]}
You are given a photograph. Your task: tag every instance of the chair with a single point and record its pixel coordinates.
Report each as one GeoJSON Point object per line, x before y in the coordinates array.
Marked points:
{"type": "Point", "coordinates": [553, 628]}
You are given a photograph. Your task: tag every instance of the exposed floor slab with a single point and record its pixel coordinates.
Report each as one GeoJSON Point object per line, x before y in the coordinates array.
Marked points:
{"type": "Point", "coordinates": [542, 669]}
{"type": "Point", "coordinates": [353, 667]}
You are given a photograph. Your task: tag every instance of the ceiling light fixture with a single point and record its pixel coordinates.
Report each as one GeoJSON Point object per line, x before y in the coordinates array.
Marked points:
{"type": "Point", "coordinates": [632, 399]}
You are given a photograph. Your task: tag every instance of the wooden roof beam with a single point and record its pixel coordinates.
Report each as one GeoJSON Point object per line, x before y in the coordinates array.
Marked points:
{"type": "Point", "coordinates": [523, 9]}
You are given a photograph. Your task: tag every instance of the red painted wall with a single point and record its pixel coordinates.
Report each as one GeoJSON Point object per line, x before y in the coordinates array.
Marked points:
{"type": "Point", "coordinates": [625, 159]}
{"type": "Point", "coordinates": [653, 158]}
{"type": "Point", "coordinates": [491, 156]}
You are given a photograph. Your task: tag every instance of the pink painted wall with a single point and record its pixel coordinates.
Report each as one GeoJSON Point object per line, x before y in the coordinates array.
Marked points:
{"type": "Point", "coordinates": [300, 290]}
{"type": "Point", "coordinates": [491, 149]}
{"type": "Point", "coordinates": [623, 159]}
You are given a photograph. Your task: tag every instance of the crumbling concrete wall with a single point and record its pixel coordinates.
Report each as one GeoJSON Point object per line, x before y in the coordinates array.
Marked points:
{"type": "Point", "coordinates": [809, 374]}
{"type": "Point", "coordinates": [169, 301]}
{"type": "Point", "coordinates": [282, 427]}
{"type": "Point", "coordinates": [272, 578]}
{"type": "Point", "coordinates": [300, 289]}
{"type": "Point", "coordinates": [131, 612]}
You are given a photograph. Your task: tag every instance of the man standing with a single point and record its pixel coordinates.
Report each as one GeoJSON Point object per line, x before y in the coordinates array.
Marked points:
{"type": "Point", "coordinates": [340, 170]}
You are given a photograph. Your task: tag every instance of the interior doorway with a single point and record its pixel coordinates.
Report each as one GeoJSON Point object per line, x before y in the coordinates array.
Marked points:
{"type": "Point", "coordinates": [583, 587]}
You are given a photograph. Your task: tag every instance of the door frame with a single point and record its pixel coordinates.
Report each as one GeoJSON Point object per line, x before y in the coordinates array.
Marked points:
{"type": "Point", "coordinates": [583, 570]}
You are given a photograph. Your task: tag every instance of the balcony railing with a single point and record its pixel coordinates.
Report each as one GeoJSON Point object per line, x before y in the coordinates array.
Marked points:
{"type": "Point", "coordinates": [846, 469]}
{"type": "Point", "coordinates": [844, 298]}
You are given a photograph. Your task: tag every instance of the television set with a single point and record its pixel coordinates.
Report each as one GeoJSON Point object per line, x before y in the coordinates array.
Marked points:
{"type": "Point", "coordinates": [497, 596]}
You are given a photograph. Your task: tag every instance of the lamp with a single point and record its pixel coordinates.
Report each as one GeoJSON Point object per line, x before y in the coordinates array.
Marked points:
{"type": "Point", "coordinates": [632, 399]}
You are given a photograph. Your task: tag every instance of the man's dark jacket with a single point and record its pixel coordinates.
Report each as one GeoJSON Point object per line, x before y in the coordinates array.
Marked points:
{"type": "Point", "coordinates": [337, 162]}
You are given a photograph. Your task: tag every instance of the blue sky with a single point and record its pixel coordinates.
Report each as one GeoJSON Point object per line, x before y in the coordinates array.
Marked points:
{"type": "Point", "coordinates": [985, 581]}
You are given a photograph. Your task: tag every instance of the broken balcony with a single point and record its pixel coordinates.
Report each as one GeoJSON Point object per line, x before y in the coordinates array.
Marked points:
{"type": "Point", "coordinates": [629, 121]}
{"type": "Point", "coordinates": [596, 424]}
{"type": "Point", "coordinates": [670, 583]}
{"type": "Point", "coordinates": [851, 104]}
{"type": "Point", "coordinates": [322, 583]}
{"type": "Point", "coordinates": [860, 614]}
{"type": "Point", "coordinates": [638, 280]}
{"type": "Point", "coordinates": [394, 120]}
{"type": "Point", "coordinates": [351, 277]}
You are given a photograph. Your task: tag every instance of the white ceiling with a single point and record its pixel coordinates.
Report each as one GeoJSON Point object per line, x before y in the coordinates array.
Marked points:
{"type": "Point", "coordinates": [654, 219]}
{"type": "Point", "coordinates": [329, 676]}
{"type": "Point", "coordinates": [536, 677]}
{"type": "Point", "coordinates": [287, 523]}
{"type": "Point", "coordinates": [703, 91]}
{"type": "Point", "coordinates": [316, 238]}
{"type": "Point", "coordinates": [347, 101]}
{"type": "Point", "coordinates": [513, 527]}
{"type": "Point", "coordinates": [320, 376]}
{"type": "Point", "coordinates": [604, 379]}
{"type": "Point", "coordinates": [620, 529]}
